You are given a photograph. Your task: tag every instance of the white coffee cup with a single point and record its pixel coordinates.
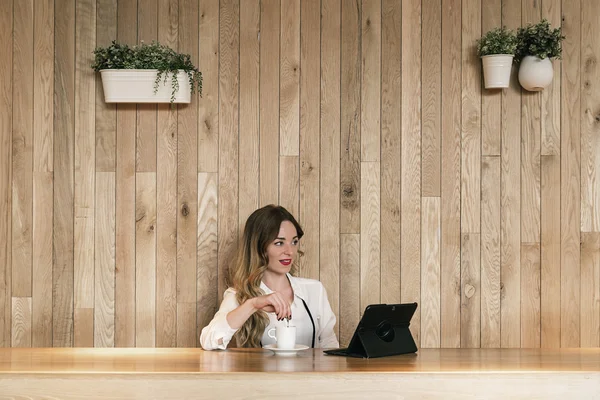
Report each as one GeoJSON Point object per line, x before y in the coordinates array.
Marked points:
{"type": "Point", "coordinates": [285, 336]}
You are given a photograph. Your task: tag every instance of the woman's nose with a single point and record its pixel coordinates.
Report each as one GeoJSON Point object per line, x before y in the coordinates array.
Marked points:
{"type": "Point", "coordinates": [288, 249]}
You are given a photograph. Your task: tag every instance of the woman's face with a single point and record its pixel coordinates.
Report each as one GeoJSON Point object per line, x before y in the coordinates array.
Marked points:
{"type": "Point", "coordinates": [283, 250]}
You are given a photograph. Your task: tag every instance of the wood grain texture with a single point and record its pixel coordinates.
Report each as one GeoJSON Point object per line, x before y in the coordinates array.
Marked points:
{"type": "Point", "coordinates": [83, 327]}
{"type": "Point", "coordinates": [249, 138]}
{"type": "Point", "coordinates": [208, 63]}
{"type": "Point", "coordinates": [145, 259]}
{"type": "Point", "coordinates": [491, 100]}
{"type": "Point", "coordinates": [370, 81]}
{"type": "Point", "coordinates": [206, 281]}
{"type": "Point", "coordinates": [270, 17]}
{"type": "Point", "coordinates": [350, 308]}
{"type": "Point", "coordinates": [21, 322]}
{"type": "Point", "coordinates": [590, 289]}
{"type": "Point", "coordinates": [470, 197]}
{"type": "Point", "coordinates": [350, 117]}
{"type": "Point", "coordinates": [391, 123]}
{"type": "Point", "coordinates": [530, 295]}
{"type": "Point", "coordinates": [490, 251]}
{"type": "Point", "coordinates": [370, 238]}
{"type": "Point", "coordinates": [310, 167]}
{"type": "Point", "coordinates": [289, 78]}
{"type": "Point", "coordinates": [6, 60]}
{"type": "Point", "coordinates": [289, 183]}
{"type": "Point", "coordinates": [590, 121]}
{"type": "Point", "coordinates": [411, 157]}
{"type": "Point", "coordinates": [510, 206]}
{"type": "Point", "coordinates": [550, 114]}
{"type": "Point", "coordinates": [187, 185]}
{"type": "Point", "coordinates": [570, 176]}
{"type": "Point", "coordinates": [430, 272]}
{"type": "Point", "coordinates": [64, 190]}
{"type": "Point", "coordinates": [450, 190]}
{"type": "Point", "coordinates": [41, 299]}
{"type": "Point", "coordinates": [550, 252]}
{"type": "Point", "coordinates": [166, 195]}
{"type": "Point", "coordinates": [229, 61]}
{"type": "Point", "coordinates": [329, 193]}
{"type": "Point", "coordinates": [470, 313]}
{"type": "Point", "coordinates": [106, 121]}
{"type": "Point", "coordinates": [22, 149]}
{"type": "Point", "coordinates": [431, 79]}
{"type": "Point", "coordinates": [104, 268]}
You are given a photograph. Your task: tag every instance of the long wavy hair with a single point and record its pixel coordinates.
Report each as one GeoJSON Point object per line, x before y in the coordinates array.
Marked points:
{"type": "Point", "coordinates": [250, 264]}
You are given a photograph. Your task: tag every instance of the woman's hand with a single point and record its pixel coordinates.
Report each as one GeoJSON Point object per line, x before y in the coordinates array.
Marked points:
{"type": "Point", "coordinates": [273, 302]}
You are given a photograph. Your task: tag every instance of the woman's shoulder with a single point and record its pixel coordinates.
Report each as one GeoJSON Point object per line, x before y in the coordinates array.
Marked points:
{"type": "Point", "coordinates": [308, 283]}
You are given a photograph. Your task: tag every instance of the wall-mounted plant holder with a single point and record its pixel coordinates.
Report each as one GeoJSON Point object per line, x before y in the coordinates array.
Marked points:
{"type": "Point", "coordinates": [137, 86]}
{"type": "Point", "coordinates": [535, 74]}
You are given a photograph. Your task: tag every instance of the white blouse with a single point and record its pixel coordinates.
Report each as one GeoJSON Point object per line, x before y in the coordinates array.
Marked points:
{"type": "Point", "coordinates": [310, 290]}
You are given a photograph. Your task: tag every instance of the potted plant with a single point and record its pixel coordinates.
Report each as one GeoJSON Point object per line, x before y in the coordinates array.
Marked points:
{"type": "Point", "coordinates": [497, 49]}
{"type": "Point", "coordinates": [146, 73]}
{"type": "Point", "coordinates": [537, 44]}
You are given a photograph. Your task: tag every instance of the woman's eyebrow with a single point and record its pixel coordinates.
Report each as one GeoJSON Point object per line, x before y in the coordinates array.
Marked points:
{"type": "Point", "coordinates": [282, 238]}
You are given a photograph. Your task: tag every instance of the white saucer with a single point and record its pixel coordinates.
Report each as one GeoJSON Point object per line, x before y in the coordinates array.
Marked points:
{"type": "Point", "coordinates": [285, 352]}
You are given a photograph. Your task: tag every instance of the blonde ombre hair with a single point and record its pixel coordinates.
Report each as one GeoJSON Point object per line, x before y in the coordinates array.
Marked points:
{"type": "Point", "coordinates": [250, 264]}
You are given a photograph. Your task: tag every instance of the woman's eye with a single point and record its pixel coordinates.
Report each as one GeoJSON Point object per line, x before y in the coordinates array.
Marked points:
{"type": "Point", "coordinates": [295, 242]}
{"type": "Point", "coordinates": [278, 243]}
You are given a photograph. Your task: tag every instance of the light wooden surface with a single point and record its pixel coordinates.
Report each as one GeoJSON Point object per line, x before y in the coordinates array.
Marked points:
{"type": "Point", "coordinates": [256, 373]}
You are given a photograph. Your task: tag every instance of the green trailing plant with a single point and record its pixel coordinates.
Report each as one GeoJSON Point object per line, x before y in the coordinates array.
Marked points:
{"type": "Point", "coordinates": [149, 56]}
{"type": "Point", "coordinates": [497, 41]}
{"type": "Point", "coordinates": [539, 40]}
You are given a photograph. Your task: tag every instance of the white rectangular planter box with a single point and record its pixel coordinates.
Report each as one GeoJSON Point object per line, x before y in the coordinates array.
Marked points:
{"type": "Point", "coordinates": [137, 86]}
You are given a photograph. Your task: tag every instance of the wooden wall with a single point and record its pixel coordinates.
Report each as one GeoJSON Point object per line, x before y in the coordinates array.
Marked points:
{"type": "Point", "coordinates": [367, 119]}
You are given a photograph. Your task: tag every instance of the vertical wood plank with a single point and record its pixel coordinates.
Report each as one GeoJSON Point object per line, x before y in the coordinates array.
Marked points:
{"type": "Point", "coordinates": [41, 301]}
{"type": "Point", "coordinates": [229, 61]}
{"type": "Point", "coordinates": [590, 289]}
{"type": "Point", "coordinates": [490, 252]}
{"type": "Point", "coordinates": [106, 118]}
{"type": "Point", "coordinates": [350, 115]}
{"type": "Point", "coordinates": [370, 238]}
{"type": "Point", "coordinates": [310, 168]}
{"type": "Point", "coordinates": [530, 295]}
{"type": "Point", "coordinates": [249, 185]}
{"type": "Point", "coordinates": [450, 213]}
{"type": "Point", "coordinates": [391, 113]}
{"type": "Point", "coordinates": [329, 246]}
{"type": "Point", "coordinates": [6, 62]}
{"type": "Point", "coordinates": [570, 176]}
{"type": "Point", "coordinates": [83, 268]}
{"type": "Point", "coordinates": [125, 189]}
{"type": "Point", "coordinates": [411, 160]}
{"type": "Point", "coordinates": [104, 289]}
{"type": "Point", "coordinates": [63, 153]}
{"type": "Point", "coordinates": [471, 120]}
{"type": "Point", "coordinates": [550, 114]}
{"type": "Point", "coordinates": [590, 121]}
{"type": "Point", "coordinates": [187, 186]}
{"type": "Point", "coordinates": [370, 81]}
{"type": "Point", "coordinates": [470, 315]}
{"type": "Point", "coordinates": [22, 149]}
{"type": "Point", "coordinates": [350, 311]}
{"type": "Point", "coordinates": [289, 81]}
{"type": "Point", "coordinates": [21, 322]}
{"type": "Point", "coordinates": [208, 63]}
{"type": "Point", "coordinates": [431, 78]}
{"type": "Point", "coordinates": [550, 252]}
{"type": "Point", "coordinates": [510, 186]}
{"type": "Point", "coordinates": [145, 149]}
{"type": "Point", "coordinates": [270, 16]}
{"type": "Point", "coordinates": [83, 327]}
{"type": "Point", "coordinates": [430, 272]}
{"type": "Point", "coordinates": [491, 100]}
{"type": "Point", "coordinates": [206, 283]}
{"type": "Point", "coordinates": [289, 187]}
{"type": "Point", "coordinates": [166, 195]}
{"type": "Point", "coordinates": [145, 259]}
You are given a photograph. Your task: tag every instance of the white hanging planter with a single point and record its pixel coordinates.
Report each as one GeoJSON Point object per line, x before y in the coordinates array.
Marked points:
{"type": "Point", "coordinates": [496, 70]}
{"type": "Point", "coordinates": [535, 74]}
{"type": "Point", "coordinates": [137, 86]}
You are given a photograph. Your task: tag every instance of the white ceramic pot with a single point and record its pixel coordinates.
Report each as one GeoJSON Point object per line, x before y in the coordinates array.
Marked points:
{"type": "Point", "coordinates": [137, 86]}
{"type": "Point", "coordinates": [496, 70]}
{"type": "Point", "coordinates": [535, 74]}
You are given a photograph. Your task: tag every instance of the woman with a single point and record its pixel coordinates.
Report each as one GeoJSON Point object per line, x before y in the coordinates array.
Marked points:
{"type": "Point", "coordinates": [265, 294]}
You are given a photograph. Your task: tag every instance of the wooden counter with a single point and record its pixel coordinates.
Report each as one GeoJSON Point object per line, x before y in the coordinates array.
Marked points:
{"type": "Point", "coordinates": [254, 374]}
